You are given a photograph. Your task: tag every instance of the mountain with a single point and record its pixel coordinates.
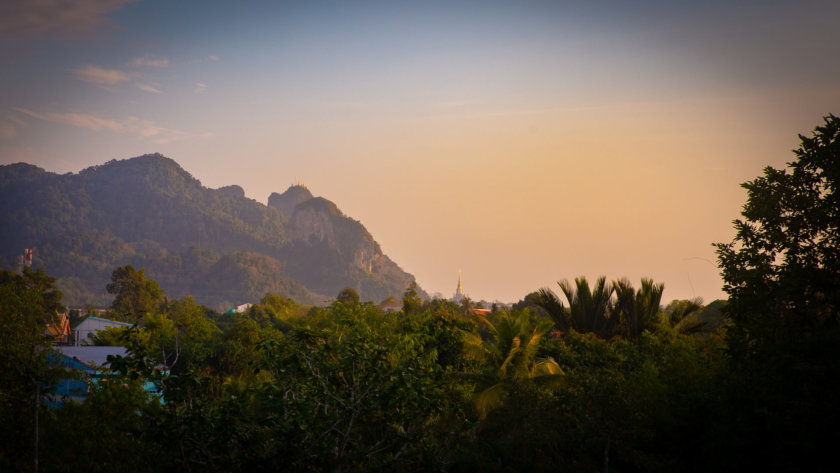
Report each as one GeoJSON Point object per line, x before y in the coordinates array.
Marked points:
{"type": "Point", "coordinates": [214, 244]}
{"type": "Point", "coordinates": [287, 201]}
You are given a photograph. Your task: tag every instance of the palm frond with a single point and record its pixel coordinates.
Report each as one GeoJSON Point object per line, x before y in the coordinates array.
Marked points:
{"type": "Point", "coordinates": [475, 348]}
{"type": "Point", "coordinates": [548, 301]}
{"type": "Point", "coordinates": [689, 325]}
{"type": "Point", "coordinates": [485, 401]}
{"type": "Point", "coordinates": [547, 366]}
{"type": "Point", "coordinates": [512, 352]}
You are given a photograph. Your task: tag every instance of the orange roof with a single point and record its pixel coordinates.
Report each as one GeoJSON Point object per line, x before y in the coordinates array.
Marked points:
{"type": "Point", "coordinates": [59, 327]}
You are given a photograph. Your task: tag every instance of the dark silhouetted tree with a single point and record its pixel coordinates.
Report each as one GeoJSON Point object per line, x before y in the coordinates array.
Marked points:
{"type": "Point", "coordinates": [782, 274]}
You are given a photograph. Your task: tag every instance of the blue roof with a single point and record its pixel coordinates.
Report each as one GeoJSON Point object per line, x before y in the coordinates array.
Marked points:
{"type": "Point", "coordinates": [127, 324]}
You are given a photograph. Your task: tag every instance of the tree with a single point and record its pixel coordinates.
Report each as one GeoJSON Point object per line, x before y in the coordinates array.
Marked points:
{"type": "Point", "coordinates": [135, 294]}
{"type": "Point", "coordinates": [590, 309]}
{"type": "Point", "coordinates": [348, 296]}
{"type": "Point", "coordinates": [352, 397]}
{"type": "Point", "coordinates": [783, 267]}
{"type": "Point", "coordinates": [636, 310]}
{"type": "Point", "coordinates": [782, 274]}
{"type": "Point", "coordinates": [510, 358]}
{"type": "Point", "coordinates": [279, 307]}
{"type": "Point", "coordinates": [411, 300]}
{"type": "Point", "coordinates": [682, 315]}
{"type": "Point", "coordinates": [547, 301]}
{"type": "Point", "coordinates": [27, 303]}
{"type": "Point", "coordinates": [193, 332]}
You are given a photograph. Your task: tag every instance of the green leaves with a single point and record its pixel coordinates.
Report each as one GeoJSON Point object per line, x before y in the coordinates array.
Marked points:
{"type": "Point", "coordinates": [508, 359]}
{"type": "Point", "coordinates": [607, 309]}
{"type": "Point", "coordinates": [590, 308]}
{"type": "Point", "coordinates": [357, 392]}
{"type": "Point", "coordinates": [783, 266]}
{"type": "Point", "coordinates": [135, 294]}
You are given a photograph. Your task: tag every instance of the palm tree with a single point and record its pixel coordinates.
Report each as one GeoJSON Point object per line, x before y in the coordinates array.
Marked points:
{"type": "Point", "coordinates": [547, 300]}
{"type": "Point", "coordinates": [590, 309]}
{"type": "Point", "coordinates": [636, 311]}
{"type": "Point", "coordinates": [682, 315]}
{"type": "Point", "coordinates": [510, 358]}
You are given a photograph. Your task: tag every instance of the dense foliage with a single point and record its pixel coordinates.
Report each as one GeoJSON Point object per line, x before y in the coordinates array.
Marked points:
{"type": "Point", "coordinates": [782, 274]}
{"type": "Point", "coordinates": [28, 302]}
{"type": "Point", "coordinates": [349, 387]}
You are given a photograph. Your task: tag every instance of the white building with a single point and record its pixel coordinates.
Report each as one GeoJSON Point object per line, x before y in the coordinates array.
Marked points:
{"type": "Point", "coordinates": [83, 333]}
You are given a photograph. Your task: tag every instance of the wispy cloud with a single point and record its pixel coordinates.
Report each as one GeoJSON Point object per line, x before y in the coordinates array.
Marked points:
{"type": "Point", "coordinates": [200, 87]}
{"type": "Point", "coordinates": [60, 18]}
{"type": "Point", "coordinates": [150, 129]}
{"type": "Point", "coordinates": [147, 88]}
{"type": "Point", "coordinates": [147, 60]}
{"type": "Point", "coordinates": [81, 120]}
{"type": "Point", "coordinates": [100, 75]}
{"type": "Point", "coordinates": [131, 125]}
{"type": "Point", "coordinates": [213, 58]}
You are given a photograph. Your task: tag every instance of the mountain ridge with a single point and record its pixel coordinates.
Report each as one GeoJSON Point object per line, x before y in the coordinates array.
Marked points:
{"type": "Point", "coordinates": [150, 212]}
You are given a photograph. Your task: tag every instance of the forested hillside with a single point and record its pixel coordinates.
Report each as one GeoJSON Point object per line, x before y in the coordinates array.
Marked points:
{"type": "Point", "coordinates": [215, 244]}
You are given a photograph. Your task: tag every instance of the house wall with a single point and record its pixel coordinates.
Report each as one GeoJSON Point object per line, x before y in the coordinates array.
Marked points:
{"type": "Point", "coordinates": [83, 333]}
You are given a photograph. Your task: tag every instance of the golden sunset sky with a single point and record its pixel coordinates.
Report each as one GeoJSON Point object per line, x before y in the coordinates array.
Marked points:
{"type": "Point", "coordinates": [520, 142]}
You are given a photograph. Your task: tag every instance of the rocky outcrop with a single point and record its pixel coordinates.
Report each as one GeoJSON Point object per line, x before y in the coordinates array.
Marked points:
{"type": "Point", "coordinates": [232, 192]}
{"type": "Point", "coordinates": [287, 201]}
{"type": "Point", "coordinates": [320, 221]}
{"type": "Point", "coordinates": [313, 223]}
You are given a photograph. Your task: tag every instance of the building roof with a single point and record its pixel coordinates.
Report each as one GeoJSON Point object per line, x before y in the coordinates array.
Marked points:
{"type": "Point", "coordinates": [127, 324]}
{"type": "Point", "coordinates": [59, 326]}
{"type": "Point", "coordinates": [93, 356]}
{"type": "Point", "coordinates": [239, 309]}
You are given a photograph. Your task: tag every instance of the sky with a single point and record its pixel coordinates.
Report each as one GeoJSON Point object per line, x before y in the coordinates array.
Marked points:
{"type": "Point", "coordinates": [519, 142]}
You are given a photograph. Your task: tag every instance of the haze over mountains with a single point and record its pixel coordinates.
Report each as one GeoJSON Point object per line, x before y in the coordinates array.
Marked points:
{"type": "Point", "coordinates": [214, 244]}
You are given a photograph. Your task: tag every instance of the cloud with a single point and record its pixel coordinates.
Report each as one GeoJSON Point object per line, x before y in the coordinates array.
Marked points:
{"type": "Point", "coordinates": [147, 88]}
{"type": "Point", "coordinates": [100, 75]}
{"type": "Point", "coordinates": [213, 58]}
{"type": "Point", "coordinates": [148, 61]}
{"type": "Point", "coordinates": [81, 120]}
{"type": "Point", "coordinates": [131, 125]}
{"type": "Point", "coordinates": [58, 18]}
{"type": "Point", "coordinates": [200, 87]}
{"type": "Point", "coordinates": [150, 129]}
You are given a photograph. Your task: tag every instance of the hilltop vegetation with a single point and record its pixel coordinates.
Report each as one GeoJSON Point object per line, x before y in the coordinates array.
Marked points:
{"type": "Point", "coordinates": [216, 245]}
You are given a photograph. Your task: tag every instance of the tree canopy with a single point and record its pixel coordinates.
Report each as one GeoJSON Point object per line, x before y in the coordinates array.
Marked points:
{"type": "Point", "coordinates": [783, 266]}
{"type": "Point", "coordinates": [135, 294]}
{"type": "Point", "coordinates": [782, 274]}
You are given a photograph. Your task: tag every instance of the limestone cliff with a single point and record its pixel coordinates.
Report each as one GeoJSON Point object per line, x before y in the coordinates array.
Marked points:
{"type": "Point", "coordinates": [287, 201]}
{"type": "Point", "coordinates": [321, 233]}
